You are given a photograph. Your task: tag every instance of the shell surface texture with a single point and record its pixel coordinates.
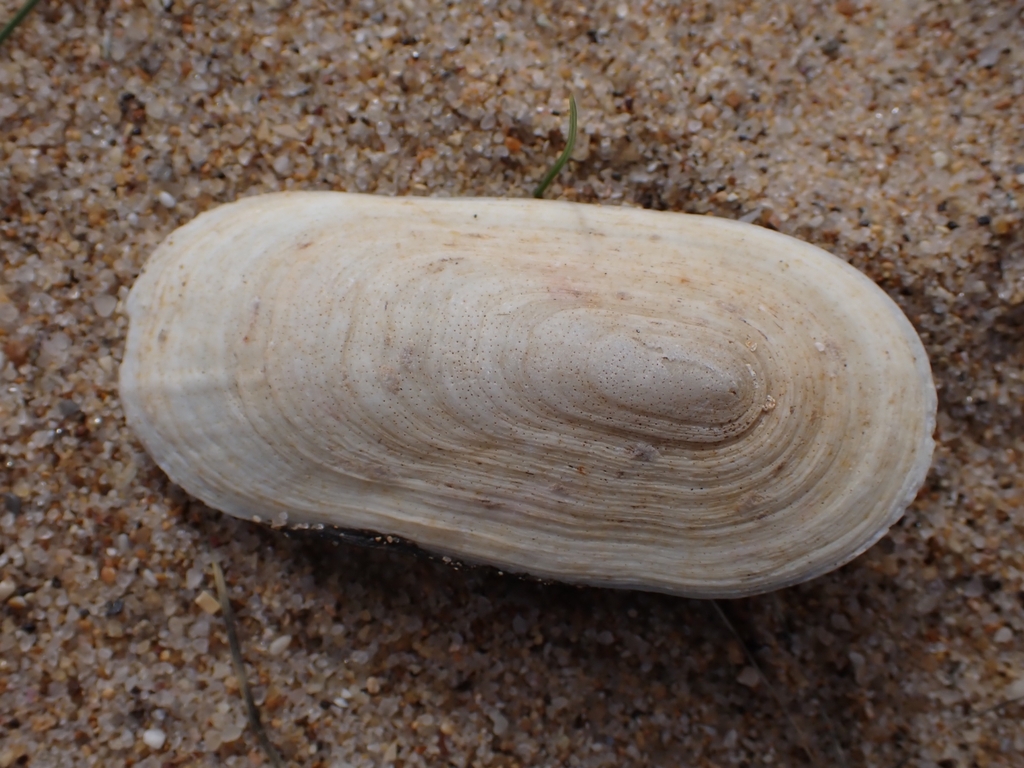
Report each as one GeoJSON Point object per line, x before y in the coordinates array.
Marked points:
{"type": "Point", "coordinates": [596, 395]}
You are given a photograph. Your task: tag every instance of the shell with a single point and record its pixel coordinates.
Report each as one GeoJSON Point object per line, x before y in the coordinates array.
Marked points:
{"type": "Point", "coordinates": [596, 395]}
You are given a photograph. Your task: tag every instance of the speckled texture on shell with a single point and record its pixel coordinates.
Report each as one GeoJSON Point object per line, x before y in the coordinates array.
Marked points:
{"type": "Point", "coordinates": [598, 395]}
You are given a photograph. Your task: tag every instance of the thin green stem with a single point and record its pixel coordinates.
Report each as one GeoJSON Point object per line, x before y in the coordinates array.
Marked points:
{"type": "Point", "coordinates": [18, 18]}
{"type": "Point", "coordinates": [566, 153]}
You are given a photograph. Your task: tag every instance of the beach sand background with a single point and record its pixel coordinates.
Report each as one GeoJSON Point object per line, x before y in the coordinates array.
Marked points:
{"type": "Point", "coordinates": [889, 133]}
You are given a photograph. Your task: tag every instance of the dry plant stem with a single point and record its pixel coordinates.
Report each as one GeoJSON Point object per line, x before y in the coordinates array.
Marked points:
{"type": "Point", "coordinates": [570, 143]}
{"type": "Point", "coordinates": [804, 742]}
{"type": "Point", "coordinates": [243, 680]}
{"type": "Point", "coordinates": [18, 18]}
{"type": "Point", "coordinates": [824, 713]}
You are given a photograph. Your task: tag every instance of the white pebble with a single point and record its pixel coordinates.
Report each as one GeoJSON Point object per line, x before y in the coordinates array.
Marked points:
{"type": "Point", "coordinates": [940, 158]}
{"type": "Point", "coordinates": [154, 738]}
{"type": "Point", "coordinates": [7, 588]}
{"type": "Point", "coordinates": [167, 200]}
{"type": "Point", "coordinates": [280, 645]}
{"type": "Point", "coordinates": [282, 165]}
{"type": "Point", "coordinates": [193, 577]}
{"type": "Point", "coordinates": [1003, 635]}
{"type": "Point", "coordinates": [104, 304]}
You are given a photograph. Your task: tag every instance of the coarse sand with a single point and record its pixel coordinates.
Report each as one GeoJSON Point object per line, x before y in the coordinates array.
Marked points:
{"type": "Point", "coordinates": [890, 133]}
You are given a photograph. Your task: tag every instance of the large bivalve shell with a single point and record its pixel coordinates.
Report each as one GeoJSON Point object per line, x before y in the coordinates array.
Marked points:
{"type": "Point", "coordinates": [596, 395]}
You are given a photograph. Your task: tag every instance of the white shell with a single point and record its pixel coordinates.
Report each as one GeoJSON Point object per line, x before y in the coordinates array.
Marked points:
{"type": "Point", "coordinates": [597, 395]}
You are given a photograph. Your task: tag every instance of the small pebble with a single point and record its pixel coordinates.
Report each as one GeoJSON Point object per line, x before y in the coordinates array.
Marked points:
{"type": "Point", "coordinates": [193, 578]}
{"type": "Point", "coordinates": [500, 722]}
{"type": "Point", "coordinates": [167, 200]}
{"type": "Point", "coordinates": [1004, 224]}
{"type": "Point", "coordinates": [1014, 690]}
{"type": "Point", "coordinates": [105, 303]}
{"type": "Point", "coordinates": [17, 602]}
{"type": "Point", "coordinates": [749, 677]}
{"type": "Point", "coordinates": [282, 165]}
{"type": "Point", "coordinates": [280, 645]}
{"type": "Point", "coordinates": [7, 588]}
{"type": "Point", "coordinates": [211, 605]}
{"type": "Point", "coordinates": [154, 738]}
{"type": "Point", "coordinates": [989, 56]}
{"type": "Point", "coordinates": [68, 408]}
{"type": "Point", "coordinates": [846, 7]}
{"type": "Point", "coordinates": [12, 504]}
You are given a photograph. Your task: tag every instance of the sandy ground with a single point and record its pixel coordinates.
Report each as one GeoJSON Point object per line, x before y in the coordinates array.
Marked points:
{"type": "Point", "coordinates": [889, 133]}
